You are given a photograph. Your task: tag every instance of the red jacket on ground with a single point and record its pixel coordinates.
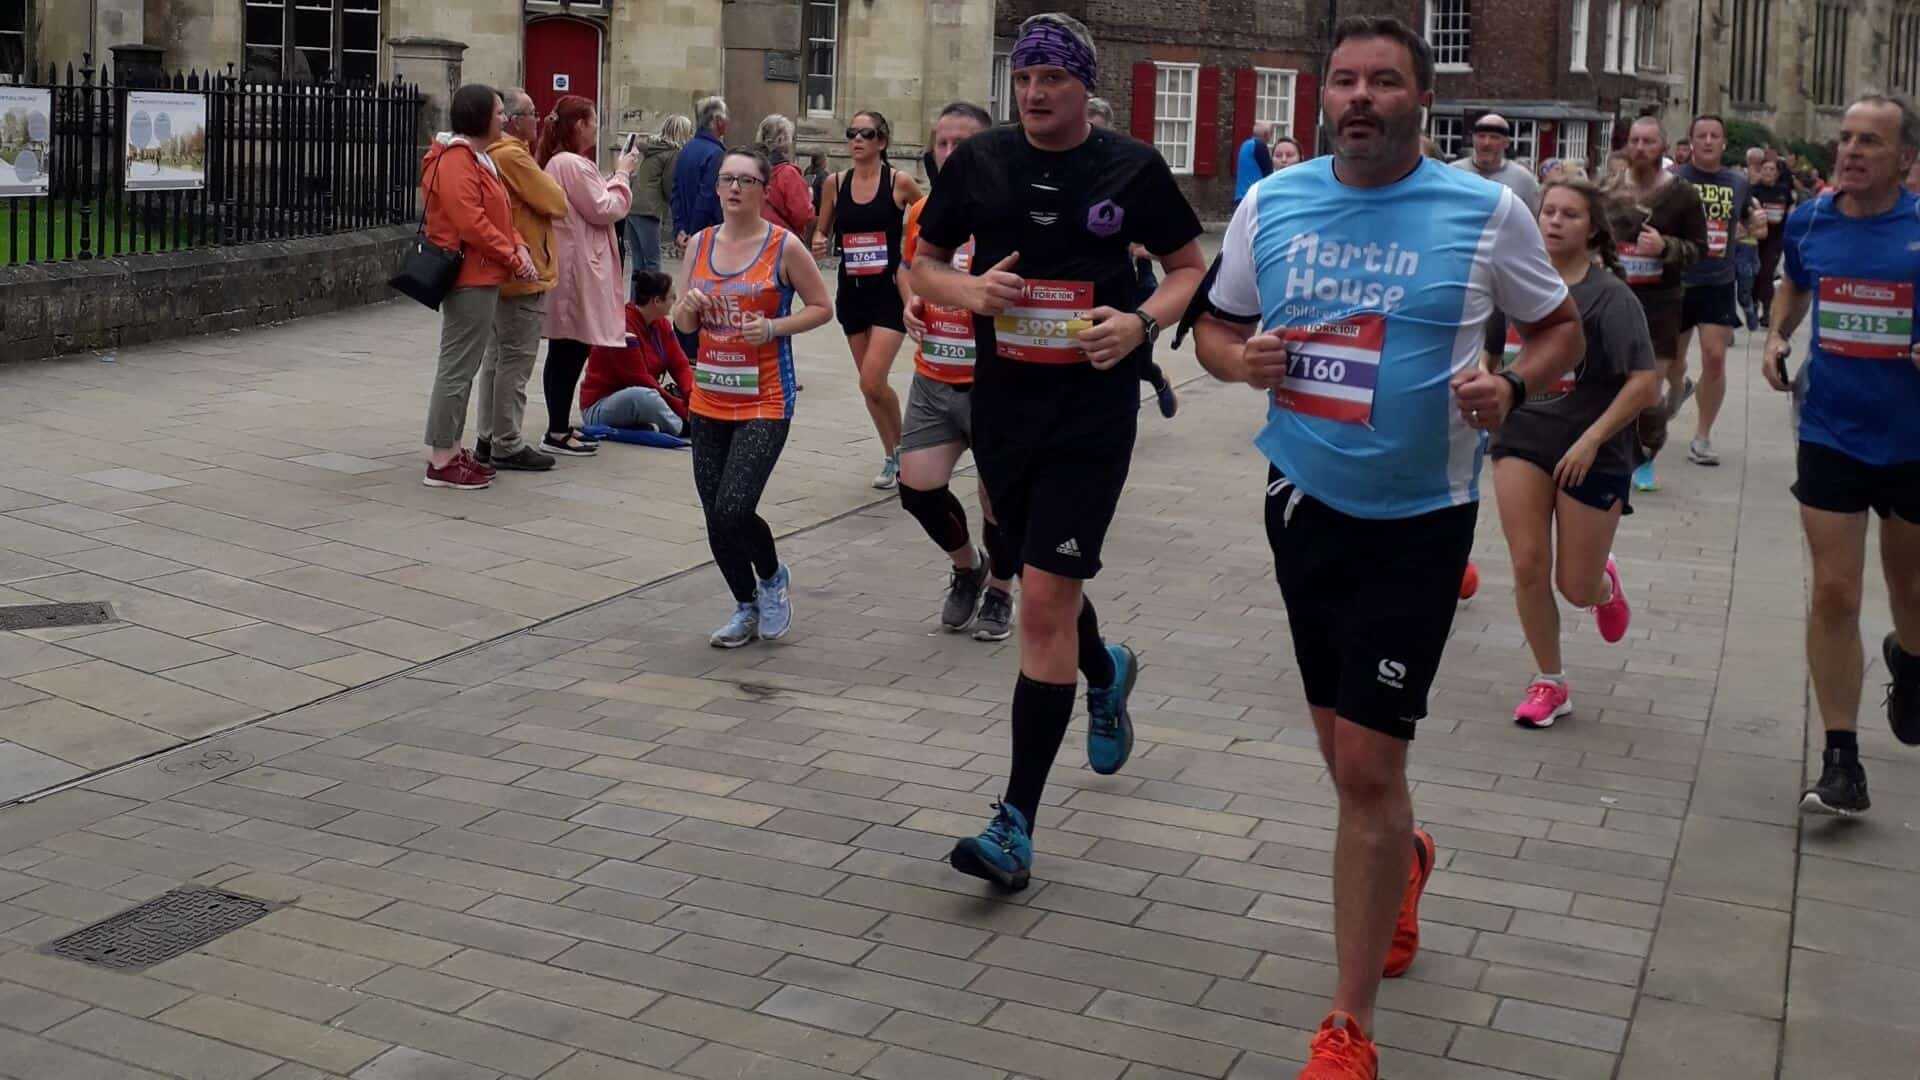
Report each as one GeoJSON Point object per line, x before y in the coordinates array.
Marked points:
{"type": "Point", "coordinates": [651, 352]}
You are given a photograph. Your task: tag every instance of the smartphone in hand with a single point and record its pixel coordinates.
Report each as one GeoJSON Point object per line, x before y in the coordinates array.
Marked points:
{"type": "Point", "coordinates": [633, 142]}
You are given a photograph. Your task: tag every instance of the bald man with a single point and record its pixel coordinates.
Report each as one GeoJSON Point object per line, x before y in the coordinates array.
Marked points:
{"type": "Point", "coordinates": [1491, 136]}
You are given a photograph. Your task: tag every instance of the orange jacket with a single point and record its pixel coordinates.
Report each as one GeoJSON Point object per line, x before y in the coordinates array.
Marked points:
{"type": "Point", "coordinates": [466, 208]}
{"type": "Point", "coordinates": [537, 203]}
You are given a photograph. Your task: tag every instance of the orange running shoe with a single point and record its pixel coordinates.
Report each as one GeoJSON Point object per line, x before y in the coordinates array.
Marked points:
{"type": "Point", "coordinates": [1342, 1053]}
{"type": "Point", "coordinates": [1470, 581]}
{"type": "Point", "coordinates": [1406, 935]}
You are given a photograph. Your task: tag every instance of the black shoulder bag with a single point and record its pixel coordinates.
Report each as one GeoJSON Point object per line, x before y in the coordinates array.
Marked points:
{"type": "Point", "coordinates": [428, 271]}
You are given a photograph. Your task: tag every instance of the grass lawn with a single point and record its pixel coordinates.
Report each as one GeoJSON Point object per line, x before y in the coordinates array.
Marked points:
{"type": "Point", "coordinates": [49, 232]}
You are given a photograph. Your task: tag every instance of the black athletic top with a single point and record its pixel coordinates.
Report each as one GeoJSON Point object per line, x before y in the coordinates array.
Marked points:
{"type": "Point", "coordinates": [1071, 215]}
{"type": "Point", "coordinates": [868, 233]}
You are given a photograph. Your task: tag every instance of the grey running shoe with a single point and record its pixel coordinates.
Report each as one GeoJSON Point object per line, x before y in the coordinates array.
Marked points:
{"type": "Point", "coordinates": [739, 630]}
{"type": "Point", "coordinates": [995, 622]}
{"type": "Point", "coordinates": [1700, 452]}
{"type": "Point", "coordinates": [963, 594]}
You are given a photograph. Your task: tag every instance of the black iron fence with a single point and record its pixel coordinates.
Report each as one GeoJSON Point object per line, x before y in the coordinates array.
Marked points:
{"type": "Point", "coordinates": [271, 162]}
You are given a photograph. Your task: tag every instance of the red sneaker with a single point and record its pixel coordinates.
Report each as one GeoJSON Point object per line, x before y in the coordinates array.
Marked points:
{"type": "Point", "coordinates": [1406, 935]}
{"type": "Point", "coordinates": [461, 474]}
{"type": "Point", "coordinates": [1470, 581]}
{"type": "Point", "coordinates": [1342, 1052]}
{"type": "Point", "coordinates": [483, 467]}
{"type": "Point", "coordinates": [1613, 616]}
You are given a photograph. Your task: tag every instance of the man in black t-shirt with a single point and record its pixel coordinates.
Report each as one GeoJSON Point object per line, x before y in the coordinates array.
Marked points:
{"type": "Point", "coordinates": [1052, 207]}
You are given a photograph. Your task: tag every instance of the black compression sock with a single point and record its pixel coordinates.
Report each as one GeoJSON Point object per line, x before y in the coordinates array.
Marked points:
{"type": "Point", "coordinates": [1095, 662]}
{"type": "Point", "coordinates": [1040, 715]}
{"type": "Point", "coordinates": [1846, 742]}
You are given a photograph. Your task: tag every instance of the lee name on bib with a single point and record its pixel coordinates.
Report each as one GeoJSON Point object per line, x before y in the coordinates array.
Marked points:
{"type": "Point", "coordinates": [1866, 320]}
{"type": "Point", "coordinates": [1040, 328]}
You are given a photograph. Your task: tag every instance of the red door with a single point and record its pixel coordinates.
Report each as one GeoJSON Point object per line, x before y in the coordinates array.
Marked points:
{"type": "Point", "coordinates": [563, 57]}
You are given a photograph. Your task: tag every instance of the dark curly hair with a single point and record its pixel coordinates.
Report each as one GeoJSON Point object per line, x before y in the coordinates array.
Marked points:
{"type": "Point", "coordinates": [1603, 210]}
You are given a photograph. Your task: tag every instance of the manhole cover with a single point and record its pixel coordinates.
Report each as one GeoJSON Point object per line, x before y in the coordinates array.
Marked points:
{"type": "Point", "coordinates": [46, 616]}
{"type": "Point", "coordinates": [160, 929]}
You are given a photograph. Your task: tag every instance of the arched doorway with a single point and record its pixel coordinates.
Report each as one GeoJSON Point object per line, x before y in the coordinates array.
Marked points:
{"type": "Point", "coordinates": [563, 57]}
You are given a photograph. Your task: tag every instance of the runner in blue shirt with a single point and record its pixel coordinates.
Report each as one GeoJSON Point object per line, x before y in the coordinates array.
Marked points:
{"type": "Point", "coordinates": [1853, 259]}
{"type": "Point", "coordinates": [1354, 288]}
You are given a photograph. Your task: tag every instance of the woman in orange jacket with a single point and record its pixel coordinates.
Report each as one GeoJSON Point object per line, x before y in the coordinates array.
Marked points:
{"type": "Point", "coordinates": [466, 209]}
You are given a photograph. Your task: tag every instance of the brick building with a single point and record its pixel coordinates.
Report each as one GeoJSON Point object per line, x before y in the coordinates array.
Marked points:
{"type": "Point", "coordinates": [1191, 76]}
{"type": "Point", "coordinates": [1564, 73]}
{"type": "Point", "coordinates": [817, 61]}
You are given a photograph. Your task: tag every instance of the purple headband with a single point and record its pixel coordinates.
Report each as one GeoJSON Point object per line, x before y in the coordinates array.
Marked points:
{"type": "Point", "coordinates": [1046, 44]}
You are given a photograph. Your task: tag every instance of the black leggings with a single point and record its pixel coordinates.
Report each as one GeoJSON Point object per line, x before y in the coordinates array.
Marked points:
{"type": "Point", "coordinates": [565, 360]}
{"type": "Point", "coordinates": [732, 460]}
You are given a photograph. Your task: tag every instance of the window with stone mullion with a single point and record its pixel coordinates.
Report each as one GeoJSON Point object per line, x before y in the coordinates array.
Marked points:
{"type": "Point", "coordinates": [311, 40]}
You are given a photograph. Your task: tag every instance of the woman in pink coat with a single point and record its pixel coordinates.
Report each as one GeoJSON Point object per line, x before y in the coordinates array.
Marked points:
{"type": "Point", "coordinates": [587, 307]}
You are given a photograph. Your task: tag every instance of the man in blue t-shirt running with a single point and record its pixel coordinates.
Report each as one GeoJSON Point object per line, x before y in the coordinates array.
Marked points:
{"type": "Point", "coordinates": [1354, 290]}
{"type": "Point", "coordinates": [1853, 258]}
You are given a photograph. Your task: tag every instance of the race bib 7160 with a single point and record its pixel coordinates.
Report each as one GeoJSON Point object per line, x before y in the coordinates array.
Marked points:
{"type": "Point", "coordinates": [1332, 368]}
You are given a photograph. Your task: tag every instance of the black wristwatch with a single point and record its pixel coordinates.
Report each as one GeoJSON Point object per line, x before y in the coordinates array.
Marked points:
{"type": "Point", "coordinates": [1152, 324]}
{"type": "Point", "coordinates": [1519, 387]}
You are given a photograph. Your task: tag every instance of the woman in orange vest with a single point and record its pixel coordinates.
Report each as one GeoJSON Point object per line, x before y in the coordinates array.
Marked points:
{"type": "Point", "coordinates": [737, 288]}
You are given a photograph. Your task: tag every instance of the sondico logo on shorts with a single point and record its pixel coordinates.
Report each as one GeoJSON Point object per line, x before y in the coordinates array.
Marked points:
{"type": "Point", "coordinates": [1393, 673]}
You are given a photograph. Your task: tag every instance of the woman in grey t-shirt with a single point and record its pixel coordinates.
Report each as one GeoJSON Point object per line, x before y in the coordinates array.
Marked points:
{"type": "Point", "coordinates": [1565, 457]}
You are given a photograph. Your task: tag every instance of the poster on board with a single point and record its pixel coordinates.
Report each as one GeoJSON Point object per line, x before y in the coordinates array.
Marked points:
{"type": "Point", "coordinates": [166, 141]}
{"type": "Point", "coordinates": [26, 138]}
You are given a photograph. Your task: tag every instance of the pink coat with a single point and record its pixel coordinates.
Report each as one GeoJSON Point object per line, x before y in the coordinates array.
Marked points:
{"type": "Point", "coordinates": [589, 302]}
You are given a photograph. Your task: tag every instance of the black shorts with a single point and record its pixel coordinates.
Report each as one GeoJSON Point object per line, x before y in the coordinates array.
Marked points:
{"type": "Point", "coordinates": [1841, 484]}
{"type": "Point", "coordinates": [861, 307]}
{"type": "Point", "coordinates": [1663, 326]}
{"type": "Point", "coordinates": [1709, 305]}
{"type": "Point", "coordinates": [1602, 491]}
{"type": "Point", "coordinates": [1370, 602]}
{"type": "Point", "coordinates": [1056, 502]}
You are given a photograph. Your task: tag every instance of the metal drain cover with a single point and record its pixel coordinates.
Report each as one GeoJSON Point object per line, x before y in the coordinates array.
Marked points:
{"type": "Point", "coordinates": [162, 928]}
{"type": "Point", "coordinates": [47, 616]}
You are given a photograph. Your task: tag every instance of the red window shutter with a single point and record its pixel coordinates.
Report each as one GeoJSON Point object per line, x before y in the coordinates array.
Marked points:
{"type": "Point", "coordinates": [1306, 112]}
{"type": "Point", "coordinates": [1243, 105]}
{"type": "Point", "coordinates": [1547, 146]}
{"type": "Point", "coordinates": [1143, 77]}
{"type": "Point", "coordinates": [1206, 128]}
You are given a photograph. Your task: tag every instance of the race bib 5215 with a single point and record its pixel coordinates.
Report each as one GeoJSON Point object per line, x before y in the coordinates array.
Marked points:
{"type": "Point", "coordinates": [1040, 328]}
{"type": "Point", "coordinates": [1866, 320]}
{"type": "Point", "coordinates": [1332, 368]}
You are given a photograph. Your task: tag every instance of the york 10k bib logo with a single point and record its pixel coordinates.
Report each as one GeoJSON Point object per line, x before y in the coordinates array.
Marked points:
{"type": "Point", "coordinates": [1359, 268]}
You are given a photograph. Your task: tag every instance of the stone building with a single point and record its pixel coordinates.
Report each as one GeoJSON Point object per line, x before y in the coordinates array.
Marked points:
{"type": "Point", "coordinates": [1793, 65]}
{"type": "Point", "coordinates": [1565, 74]}
{"type": "Point", "coordinates": [1191, 76]}
{"type": "Point", "coordinates": [817, 61]}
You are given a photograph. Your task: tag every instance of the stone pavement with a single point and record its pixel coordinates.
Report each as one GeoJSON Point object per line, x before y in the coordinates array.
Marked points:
{"type": "Point", "coordinates": [599, 848]}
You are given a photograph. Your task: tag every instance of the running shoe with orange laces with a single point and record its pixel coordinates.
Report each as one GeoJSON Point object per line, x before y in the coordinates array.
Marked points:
{"type": "Point", "coordinates": [1406, 934]}
{"type": "Point", "coordinates": [1342, 1052]}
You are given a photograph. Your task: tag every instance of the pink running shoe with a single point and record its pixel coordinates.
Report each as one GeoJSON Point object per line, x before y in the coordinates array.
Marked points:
{"type": "Point", "coordinates": [1613, 616]}
{"type": "Point", "coordinates": [1546, 701]}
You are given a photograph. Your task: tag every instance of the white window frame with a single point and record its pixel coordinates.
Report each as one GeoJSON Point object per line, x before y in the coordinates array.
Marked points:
{"type": "Point", "coordinates": [1173, 133]}
{"type": "Point", "coordinates": [1524, 146]}
{"type": "Point", "coordinates": [1647, 49]}
{"type": "Point", "coordinates": [1449, 134]}
{"type": "Point", "coordinates": [814, 45]}
{"type": "Point", "coordinates": [1610, 61]}
{"type": "Point", "coordinates": [292, 58]}
{"type": "Point", "coordinates": [1445, 49]}
{"type": "Point", "coordinates": [1904, 47]}
{"type": "Point", "coordinates": [1000, 92]}
{"type": "Point", "coordinates": [1575, 149]}
{"type": "Point", "coordinates": [1273, 98]}
{"type": "Point", "coordinates": [1579, 22]}
{"type": "Point", "coordinates": [1630, 38]}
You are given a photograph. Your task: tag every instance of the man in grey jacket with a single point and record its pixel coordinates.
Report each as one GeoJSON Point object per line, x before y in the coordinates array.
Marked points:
{"type": "Point", "coordinates": [1491, 135]}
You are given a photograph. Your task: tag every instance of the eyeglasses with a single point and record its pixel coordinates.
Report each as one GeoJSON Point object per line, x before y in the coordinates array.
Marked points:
{"type": "Point", "coordinates": [866, 133]}
{"type": "Point", "coordinates": [729, 180]}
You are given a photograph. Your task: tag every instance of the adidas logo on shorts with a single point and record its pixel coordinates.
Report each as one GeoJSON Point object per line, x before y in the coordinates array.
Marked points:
{"type": "Point", "coordinates": [1069, 547]}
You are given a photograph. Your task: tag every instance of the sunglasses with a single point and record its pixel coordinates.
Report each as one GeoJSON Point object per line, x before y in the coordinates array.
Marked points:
{"type": "Point", "coordinates": [729, 180]}
{"type": "Point", "coordinates": [866, 133]}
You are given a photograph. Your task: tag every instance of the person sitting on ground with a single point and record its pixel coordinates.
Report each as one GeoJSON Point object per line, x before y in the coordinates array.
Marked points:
{"type": "Point", "coordinates": [642, 386]}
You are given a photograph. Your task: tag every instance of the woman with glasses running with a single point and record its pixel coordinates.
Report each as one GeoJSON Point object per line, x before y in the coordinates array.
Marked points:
{"type": "Point", "coordinates": [862, 212]}
{"type": "Point", "coordinates": [736, 288]}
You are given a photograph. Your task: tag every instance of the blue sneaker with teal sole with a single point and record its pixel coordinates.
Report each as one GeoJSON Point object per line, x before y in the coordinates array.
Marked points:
{"type": "Point", "coordinates": [1109, 729]}
{"type": "Point", "coordinates": [1002, 853]}
{"type": "Point", "coordinates": [775, 603]}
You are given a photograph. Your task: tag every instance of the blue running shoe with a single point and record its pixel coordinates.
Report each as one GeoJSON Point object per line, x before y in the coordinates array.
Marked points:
{"type": "Point", "coordinates": [1109, 730]}
{"type": "Point", "coordinates": [739, 630]}
{"type": "Point", "coordinates": [1644, 480]}
{"type": "Point", "coordinates": [776, 605]}
{"type": "Point", "coordinates": [1002, 854]}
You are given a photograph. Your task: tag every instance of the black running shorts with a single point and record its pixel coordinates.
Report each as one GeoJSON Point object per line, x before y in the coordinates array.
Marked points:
{"type": "Point", "coordinates": [1842, 484]}
{"type": "Point", "coordinates": [1370, 602]}
{"type": "Point", "coordinates": [1055, 502]}
{"type": "Point", "coordinates": [1709, 305]}
{"type": "Point", "coordinates": [860, 308]}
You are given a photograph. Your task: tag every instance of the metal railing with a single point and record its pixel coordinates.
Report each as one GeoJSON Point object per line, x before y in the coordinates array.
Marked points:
{"type": "Point", "coordinates": [280, 161]}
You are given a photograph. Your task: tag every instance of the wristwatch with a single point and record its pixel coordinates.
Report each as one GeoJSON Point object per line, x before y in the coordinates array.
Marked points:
{"type": "Point", "coordinates": [1152, 324]}
{"type": "Point", "coordinates": [1519, 386]}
